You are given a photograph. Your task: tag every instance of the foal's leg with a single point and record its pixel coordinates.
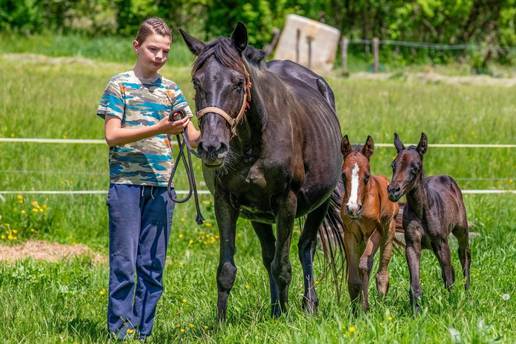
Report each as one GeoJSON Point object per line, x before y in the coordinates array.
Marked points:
{"type": "Point", "coordinates": [366, 263]}
{"type": "Point", "coordinates": [442, 252]}
{"type": "Point", "coordinates": [226, 273]}
{"type": "Point", "coordinates": [352, 250]}
{"type": "Point", "coordinates": [280, 266]}
{"type": "Point", "coordinates": [462, 235]}
{"type": "Point", "coordinates": [268, 242]}
{"type": "Point", "coordinates": [306, 249]}
{"type": "Point", "coordinates": [413, 256]}
{"type": "Point", "coordinates": [382, 277]}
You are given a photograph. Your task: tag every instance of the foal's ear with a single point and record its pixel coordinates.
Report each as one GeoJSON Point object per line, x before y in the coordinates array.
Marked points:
{"type": "Point", "coordinates": [345, 146]}
{"type": "Point", "coordinates": [397, 143]}
{"type": "Point", "coordinates": [239, 37]}
{"type": "Point", "coordinates": [195, 45]}
{"type": "Point", "coordinates": [422, 145]}
{"type": "Point", "coordinates": [368, 148]}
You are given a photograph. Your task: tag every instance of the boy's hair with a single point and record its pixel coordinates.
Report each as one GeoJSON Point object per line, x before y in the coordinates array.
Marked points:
{"type": "Point", "coordinates": [153, 25]}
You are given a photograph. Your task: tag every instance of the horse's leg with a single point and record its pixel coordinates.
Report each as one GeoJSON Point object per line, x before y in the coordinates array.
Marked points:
{"type": "Point", "coordinates": [352, 250]}
{"type": "Point", "coordinates": [442, 252]}
{"type": "Point", "coordinates": [281, 268]}
{"type": "Point", "coordinates": [462, 235]}
{"type": "Point", "coordinates": [413, 256]}
{"type": "Point", "coordinates": [226, 273]}
{"type": "Point", "coordinates": [268, 242]}
{"type": "Point", "coordinates": [382, 276]}
{"type": "Point", "coordinates": [366, 264]}
{"type": "Point", "coordinates": [306, 249]}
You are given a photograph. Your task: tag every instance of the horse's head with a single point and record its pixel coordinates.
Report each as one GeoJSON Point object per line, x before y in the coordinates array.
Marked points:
{"type": "Point", "coordinates": [407, 167]}
{"type": "Point", "coordinates": [222, 91]}
{"type": "Point", "coordinates": [355, 174]}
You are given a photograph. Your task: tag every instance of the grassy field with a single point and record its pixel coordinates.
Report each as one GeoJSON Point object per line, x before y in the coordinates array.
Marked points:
{"type": "Point", "coordinates": [65, 302]}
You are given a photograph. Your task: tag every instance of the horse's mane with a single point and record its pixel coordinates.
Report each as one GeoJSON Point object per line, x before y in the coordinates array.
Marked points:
{"type": "Point", "coordinates": [224, 51]}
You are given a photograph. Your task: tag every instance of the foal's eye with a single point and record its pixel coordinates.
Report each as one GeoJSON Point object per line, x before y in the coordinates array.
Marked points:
{"type": "Point", "coordinates": [413, 171]}
{"type": "Point", "coordinates": [366, 178]}
{"type": "Point", "coordinates": [238, 85]}
{"type": "Point", "coordinates": [393, 165]}
{"type": "Point", "coordinates": [344, 177]}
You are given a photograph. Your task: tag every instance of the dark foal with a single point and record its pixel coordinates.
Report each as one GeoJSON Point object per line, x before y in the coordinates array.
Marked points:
{"type": "Point", "coordinates": [369, 220]}
{"type": "Point", "coordinates": [434, 209]}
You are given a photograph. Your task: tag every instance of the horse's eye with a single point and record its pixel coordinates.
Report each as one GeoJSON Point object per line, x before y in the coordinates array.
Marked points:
{"type": "Point", "coordinates": [413, 171]}
{"type": "Point", "coordinates": [393, 165]}
{"type": "Point", "coordinates": [344, 177]}
{"type": "Point", "coordinates": [366, 178]}
{"type": "Point", "coordinates": [195, 83]}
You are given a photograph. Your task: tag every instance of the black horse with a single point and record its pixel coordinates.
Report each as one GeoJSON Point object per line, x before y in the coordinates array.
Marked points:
{"type": "Point", "coordinates": [270, 146]}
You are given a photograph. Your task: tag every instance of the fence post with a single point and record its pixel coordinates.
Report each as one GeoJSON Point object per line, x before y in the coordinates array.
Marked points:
{"type": "Point", "coordinates": [376, 53]}
{"type": "Point", "coordinates": [344, 51]}
{"type": "Point", "coordinates": [309, 40]}
{"type": "Point", "coordinates": [298, 37]}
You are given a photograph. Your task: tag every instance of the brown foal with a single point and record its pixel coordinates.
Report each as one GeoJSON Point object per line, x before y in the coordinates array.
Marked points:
{"type": "Point", "coordinates": [369, 222]}
{"type": "Point", "coordinates": [434, 209]}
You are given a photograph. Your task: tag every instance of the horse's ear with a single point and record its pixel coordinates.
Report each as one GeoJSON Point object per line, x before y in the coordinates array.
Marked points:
{"type": "Point", "coordinates": [422, 145]}
{"type": "Point", "coordinates": [368, 148]}
{"type": "Point", "coordinates": [239, 37]}
{"type": "Point", "coordinates": [345, 146]}
{"type": "Point", "coordinates": [397, 143]}
{"type": "Point", "coordinates": [195, 45]}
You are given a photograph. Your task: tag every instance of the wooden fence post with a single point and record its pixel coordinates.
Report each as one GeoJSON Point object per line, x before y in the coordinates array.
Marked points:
{"type": "Point", "coordinates": [309, 40]}
{"type": "Point", "coordinates": [376, 53]}
{"type": "Point", "coordinates": [344, 51]}
{"type": "Point", "coordinates": [298, 37]}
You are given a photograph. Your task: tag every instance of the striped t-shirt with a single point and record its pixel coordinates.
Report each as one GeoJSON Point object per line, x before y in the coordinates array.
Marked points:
{"type": "Point", "coordinates": [136, 103]}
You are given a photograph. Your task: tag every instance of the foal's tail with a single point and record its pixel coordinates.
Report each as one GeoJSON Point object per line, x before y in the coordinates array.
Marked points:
{"type": "Point", "coordinates": [331, 235]}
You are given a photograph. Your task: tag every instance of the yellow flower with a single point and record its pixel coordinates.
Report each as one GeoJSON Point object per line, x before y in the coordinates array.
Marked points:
{"type": "Point", "coordinates": [352, 329]}
{"type": "Point", "coordinates": [191, 325]}
{"type": "Point", "coordinates": [130, 331]}
{"type": "Point", "coordinates": [103, 291]}
{"type": "Point", "coordinates": [181, 236]}
{"type": "Point", "coordinates": [183, 300]}
{"type": "Point", "coordinates": [2, 237]}
{"type": "Point", "coordinates": [35, 204]}
{"type": "Point", "coordinates": [183, 330]}
{"type": "Point", "coordinates": [23, 212]}
{"type": "Point", "coordinates": [19, 199]}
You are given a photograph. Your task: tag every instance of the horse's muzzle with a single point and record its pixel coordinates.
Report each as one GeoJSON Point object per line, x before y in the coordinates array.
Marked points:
{"type": "Point", "coordinates": [394, 193]}
{"type": "Point", "coordinates": [212, 154]}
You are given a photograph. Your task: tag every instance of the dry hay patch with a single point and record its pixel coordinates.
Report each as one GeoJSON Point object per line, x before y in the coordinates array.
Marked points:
{"type": "Point", "coordinates": [47, 251]}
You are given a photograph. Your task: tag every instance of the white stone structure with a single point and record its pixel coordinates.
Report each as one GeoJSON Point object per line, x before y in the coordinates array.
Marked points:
{"type": "Point", "coordinates": [324, 41]}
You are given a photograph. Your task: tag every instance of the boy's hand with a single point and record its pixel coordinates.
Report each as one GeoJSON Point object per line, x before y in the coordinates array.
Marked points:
{"type": "Point", "coordinates": [166, 126]}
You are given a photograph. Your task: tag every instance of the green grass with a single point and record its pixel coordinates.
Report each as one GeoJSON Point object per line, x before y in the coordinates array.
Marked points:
{"type": "Point", "coordinates": [65, 302]}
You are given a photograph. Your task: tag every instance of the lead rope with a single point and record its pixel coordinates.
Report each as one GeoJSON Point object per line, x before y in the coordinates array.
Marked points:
{"type": "Point", "coordinates": [187, 161]}
{"type": "Point", "coordinates": [192, 186]}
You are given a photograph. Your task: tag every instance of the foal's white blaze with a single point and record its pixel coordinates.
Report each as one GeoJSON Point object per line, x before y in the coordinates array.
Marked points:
{"type": "Point", "coordinates": [353, 198]}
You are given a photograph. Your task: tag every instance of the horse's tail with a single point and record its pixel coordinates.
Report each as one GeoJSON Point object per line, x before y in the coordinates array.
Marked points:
{"type": "Point", "coordinates": [331, 236]}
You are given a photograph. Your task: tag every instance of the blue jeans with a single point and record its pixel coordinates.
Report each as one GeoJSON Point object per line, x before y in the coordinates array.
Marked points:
{"type": "Point", "coordinates": [140, 218]}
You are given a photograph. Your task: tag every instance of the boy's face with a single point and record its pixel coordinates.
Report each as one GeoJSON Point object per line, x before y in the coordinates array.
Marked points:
{"type": "Point", "coordinates": [153, 52]}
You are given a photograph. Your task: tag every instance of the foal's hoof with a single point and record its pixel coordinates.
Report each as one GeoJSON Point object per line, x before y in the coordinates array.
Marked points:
{"type": "Point", "coordinates": [276, 310]}
{"type": "Point", "coordinates": [310, 306]}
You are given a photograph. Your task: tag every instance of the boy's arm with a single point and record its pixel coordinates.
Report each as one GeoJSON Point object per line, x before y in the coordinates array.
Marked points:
{"type": "Point", "coordinates": [116, 135]}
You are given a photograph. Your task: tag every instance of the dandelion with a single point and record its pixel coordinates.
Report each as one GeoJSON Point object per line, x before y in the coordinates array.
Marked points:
{"type": "Point", "coordinates": [20, 199]}
{"type": "Point", "coordinates": [130, 331]}
{"type": "Point", "coordinates": [506, 297]}
{"type": "Point", "coordinates": [103, 292]}
{"type": "Point", "coordinates": [351, 330]}
{"type": "Point", "coordinates": [183, 330]}
{"type": "Point", "coordinates": [191, 325]}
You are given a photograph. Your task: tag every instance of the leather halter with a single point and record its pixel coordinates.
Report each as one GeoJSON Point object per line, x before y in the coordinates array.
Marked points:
{"type": "Point", "coordinates": [233, 122]}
